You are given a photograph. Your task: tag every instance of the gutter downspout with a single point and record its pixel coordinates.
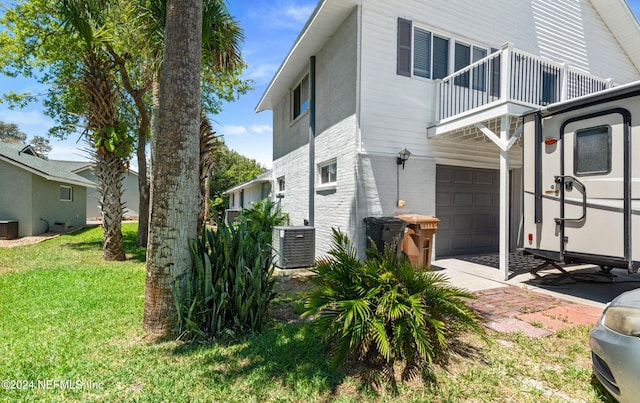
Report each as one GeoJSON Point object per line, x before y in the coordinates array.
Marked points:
{"type": "Point", "coordinates": [312, 138]}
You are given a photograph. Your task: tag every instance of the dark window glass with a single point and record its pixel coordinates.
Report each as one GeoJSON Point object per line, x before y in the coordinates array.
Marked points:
{"type": "Point", "coordinates": [66, 193]}
{"type": "Point", "coordinates": [549, 86]}
{"type": "Point", "coordinates": [440, 57]}
{"type": "Point", "coordinates": [422, 53]}
{"type": "Point", "coordinates": [462, 59]}
{"type": "Point", "coordinates": [593, 151]}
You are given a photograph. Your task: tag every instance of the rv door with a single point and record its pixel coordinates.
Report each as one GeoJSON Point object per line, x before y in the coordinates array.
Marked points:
{"type": "Point", "coordinates": [593, 216]}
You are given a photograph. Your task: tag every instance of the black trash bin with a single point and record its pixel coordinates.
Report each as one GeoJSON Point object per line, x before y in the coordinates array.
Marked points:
{"type": "Point", "coordinates": [384, 231]}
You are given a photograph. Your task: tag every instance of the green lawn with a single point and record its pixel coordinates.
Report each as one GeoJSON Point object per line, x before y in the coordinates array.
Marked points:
{"type": "Point", "coordinates": [69, 316]}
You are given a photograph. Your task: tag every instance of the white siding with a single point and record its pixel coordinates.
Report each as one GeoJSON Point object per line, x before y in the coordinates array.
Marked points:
{"type": "Point", "coordinates": [396, 110]}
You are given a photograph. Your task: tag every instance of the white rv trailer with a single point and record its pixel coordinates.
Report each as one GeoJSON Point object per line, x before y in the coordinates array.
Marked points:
{"type": "Point", "coordinates": [581, 179]}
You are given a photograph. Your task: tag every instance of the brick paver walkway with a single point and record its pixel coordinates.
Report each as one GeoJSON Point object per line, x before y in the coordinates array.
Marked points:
{"type": "Point", "coordinates": [512, 309]}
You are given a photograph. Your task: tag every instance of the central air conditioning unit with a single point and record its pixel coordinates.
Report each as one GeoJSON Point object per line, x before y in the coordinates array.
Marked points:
{"type": "Point", "coordinates": [294, 247]}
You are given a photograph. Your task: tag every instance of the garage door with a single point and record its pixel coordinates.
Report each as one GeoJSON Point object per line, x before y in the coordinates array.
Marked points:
{"type": "Point", "coordinates": [467, 203]}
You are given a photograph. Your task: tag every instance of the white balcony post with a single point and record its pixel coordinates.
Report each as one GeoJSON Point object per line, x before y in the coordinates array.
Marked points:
{"type": "Point", "coordinates": [564, 81]}
{"type": "Point", "coordinates": [504, 199]}
{"type": "Point", "coordinates": [505, 70]}
{"type": "Point", "coordinates": [437, 100]}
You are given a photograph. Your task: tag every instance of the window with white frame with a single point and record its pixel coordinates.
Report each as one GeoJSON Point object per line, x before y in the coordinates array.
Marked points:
{"type": "Point", "coordinates": [66, 193]}
{"type": "Point", "coordinates": [281, 184]}
{"type": "Point", "coordinates": [426, 54]}
{"type": "Point", "coordinates": [300, 98]}
{"type": "Point", "coordinates": [328, 172]}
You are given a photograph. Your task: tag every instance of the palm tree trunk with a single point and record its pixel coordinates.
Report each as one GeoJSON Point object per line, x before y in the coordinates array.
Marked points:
{"type": "Point", "coordinates": [108, 169]}
{"type": "Point", "coordinates": [101, 96]}
{"type": "Point", "coordinates": [174, 189]}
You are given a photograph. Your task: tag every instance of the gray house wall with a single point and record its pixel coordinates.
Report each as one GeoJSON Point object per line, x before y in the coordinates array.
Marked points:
{"type": "Point", "coordinates": [130, 195]}
{"type": "Point", "coordinates": [15, 197]}
{"type": "Point", "coordinates": [46, 205]}
{"type": "Point", "coordinates": [336, 128]}
{"type": "Point", "coordinates": [30, 199]}
{"type": "Point", "coordinates": [336, 76]}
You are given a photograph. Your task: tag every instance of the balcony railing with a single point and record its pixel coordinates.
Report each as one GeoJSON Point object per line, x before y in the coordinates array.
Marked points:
{"type": "Point", "coordinates": [516, 76]}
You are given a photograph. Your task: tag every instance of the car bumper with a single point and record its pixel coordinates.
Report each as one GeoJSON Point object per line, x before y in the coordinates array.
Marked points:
{"type": "Point", "coordinates": [616, 362]}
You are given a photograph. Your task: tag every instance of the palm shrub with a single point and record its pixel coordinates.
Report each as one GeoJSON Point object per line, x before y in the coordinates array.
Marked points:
{"type": "Point", "coordinates": [261, 217]}
{"type": "Point", "coordinates": [230, 287]}
{"type": "Point", "coordinates": [384, 311]}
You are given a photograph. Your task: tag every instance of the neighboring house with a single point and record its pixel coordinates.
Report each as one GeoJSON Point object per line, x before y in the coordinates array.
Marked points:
{"type": "Point", "coordinates": [447, 81]}
{"type": "Point", "coordinates": [243, 195]}
{"type": "Point", "coordinates": [38, 193]}
{"type": "Point", "coordinates": [130, 190]}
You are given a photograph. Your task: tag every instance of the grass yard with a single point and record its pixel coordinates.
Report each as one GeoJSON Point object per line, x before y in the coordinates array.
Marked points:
{"type": "Point", "coordinates": [73, 322]}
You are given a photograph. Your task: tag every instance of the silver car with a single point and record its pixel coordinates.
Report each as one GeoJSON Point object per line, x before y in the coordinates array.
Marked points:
{"type": "Point", "coordinates": [615, 347]}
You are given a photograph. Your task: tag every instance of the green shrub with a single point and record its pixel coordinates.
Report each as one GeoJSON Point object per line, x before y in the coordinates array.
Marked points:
{"type": "Point", "coordinates": [384, 311]}
{"type": "Point", "coordinates": [261, 217]}
{"type": "Point", "coordinates": [230, 286]}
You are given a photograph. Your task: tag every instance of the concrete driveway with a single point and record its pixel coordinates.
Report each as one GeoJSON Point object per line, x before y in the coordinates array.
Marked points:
{"type": "Point", "coordinates": [587, 284]}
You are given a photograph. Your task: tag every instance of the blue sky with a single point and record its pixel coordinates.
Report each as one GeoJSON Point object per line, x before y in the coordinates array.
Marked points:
{"type": "Point", "coordinates": [270, 28]}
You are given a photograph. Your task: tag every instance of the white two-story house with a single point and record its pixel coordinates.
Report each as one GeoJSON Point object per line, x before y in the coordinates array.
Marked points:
{"type": "Point", "coordinates": [447, 81]}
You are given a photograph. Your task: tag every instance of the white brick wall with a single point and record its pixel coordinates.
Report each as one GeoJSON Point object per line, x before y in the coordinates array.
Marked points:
{"type": "Point", "coordinates": [294, 167]}
{"type": "Point", "coordinates": [336, 208]}
{"type": "Point", "coordinates": [377, 189]}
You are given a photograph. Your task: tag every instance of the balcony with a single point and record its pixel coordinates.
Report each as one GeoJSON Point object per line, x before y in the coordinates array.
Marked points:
{"type": "Point", "coordinates": [507, 82]}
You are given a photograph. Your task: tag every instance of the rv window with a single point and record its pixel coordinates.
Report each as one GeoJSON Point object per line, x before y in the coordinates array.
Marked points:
{"type": "Point", "coordinates": [593, 151]}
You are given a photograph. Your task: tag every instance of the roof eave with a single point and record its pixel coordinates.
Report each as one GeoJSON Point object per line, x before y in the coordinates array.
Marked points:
{"type": "Point", "coordinates": [47, 176]}
{"type": "Point", "coordinates": [308, 42]}
{"type": "Point", "coordinates": [623, 24]}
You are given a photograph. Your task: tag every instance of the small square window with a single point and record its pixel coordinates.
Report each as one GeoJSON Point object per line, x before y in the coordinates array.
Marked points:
{"type": "Point", "coordinates": [329, 173]}
{"type": "Point", "coordinates": [593, 151]}
{"type": "Point", "coordinates": [66, 193]}
{"type": "Point", "coordinates": [281, 184]}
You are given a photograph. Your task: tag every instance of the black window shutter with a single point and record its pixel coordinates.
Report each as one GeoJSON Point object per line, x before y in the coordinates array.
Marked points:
{"type": "Point", "coordinates": [404, 47]}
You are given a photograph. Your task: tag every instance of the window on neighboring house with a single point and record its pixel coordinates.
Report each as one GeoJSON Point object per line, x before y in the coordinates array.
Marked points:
{"type": "Point", "coordinates": [328, 173]}
{"type": "Point", "coordinates": [301, 97]}
{"type": "Point", "coordinates": [593, 151]}
{"type": "Point", "coordinates": [66, 193]}
{"type": "Point", "coordinates": [281, 184]}
{"type": "Point", "coordinates": [233, 200]}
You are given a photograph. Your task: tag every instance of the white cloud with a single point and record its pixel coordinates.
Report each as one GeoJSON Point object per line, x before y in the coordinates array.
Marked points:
{"type": "Point", "coordinates": [299, 13]}
{"type": "Point", "coordinates": [261, 129]}
{"type": "Point", "coordinates": [233, 130]}
{"type": "Point", "coordinates": [262, 73]}
{"type": "Point", "coordinates": [27, 119]}
{"type": "Point", "coordinates": [284, 15]}
{"type": "Point", "coordinates": [67, 151]}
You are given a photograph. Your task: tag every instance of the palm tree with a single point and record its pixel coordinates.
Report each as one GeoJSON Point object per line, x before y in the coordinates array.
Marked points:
{"type": "Point", "coordinates": [168, 256]}
{"type": "Point", "coordinates": [221, 56]}
{"type": "Point", "coordinates": [174, 188]}
{"type": "Point", "coordinates": [111, 143]}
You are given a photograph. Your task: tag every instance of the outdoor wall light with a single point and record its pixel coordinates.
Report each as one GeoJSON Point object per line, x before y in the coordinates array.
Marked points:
{"type": "Point", "coordinates": [404, 156]}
